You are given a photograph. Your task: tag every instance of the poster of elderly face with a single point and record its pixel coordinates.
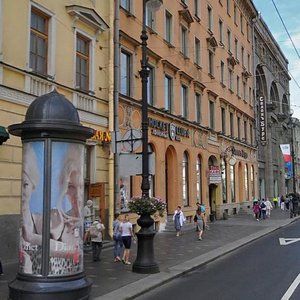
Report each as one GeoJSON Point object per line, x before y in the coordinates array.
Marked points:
{"type": "Point", "coordinates": [66, 223]}
{"type": "Point", "coordinates": [66, 205]}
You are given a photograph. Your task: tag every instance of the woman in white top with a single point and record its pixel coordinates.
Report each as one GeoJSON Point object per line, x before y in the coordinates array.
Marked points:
{"type": "Point", "coordinates": [178, 219]}
{"type": "Point", "coordinates": [127, 234]}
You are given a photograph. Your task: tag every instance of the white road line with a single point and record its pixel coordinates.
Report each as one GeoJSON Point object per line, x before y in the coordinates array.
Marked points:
{"type": "Point", "coordinates": [291, 289]}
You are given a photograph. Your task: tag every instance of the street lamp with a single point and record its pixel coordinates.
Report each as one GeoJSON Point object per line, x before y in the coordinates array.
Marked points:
{"type": "Point", "coordinates": [144, 262]}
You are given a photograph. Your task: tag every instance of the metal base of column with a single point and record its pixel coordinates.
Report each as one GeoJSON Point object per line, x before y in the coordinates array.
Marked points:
{"type": "Point", "coordinates": [35, 288]}
{"type": "Point", "coordinates": [144, 263]}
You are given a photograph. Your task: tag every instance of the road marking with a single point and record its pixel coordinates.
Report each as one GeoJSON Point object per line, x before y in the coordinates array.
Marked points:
{"type": "Point", "coordinates": [291, 289]}
{"type": "Point", "coordinates": [288, 241]}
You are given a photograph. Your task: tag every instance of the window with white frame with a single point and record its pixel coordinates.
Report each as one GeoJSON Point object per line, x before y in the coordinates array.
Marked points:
{"type": "Point", "coordinates": [184, 101]}
{"type": "Point", "coordinates": [239, 127]}
{"type": "Point", "coordinates": [82, 62]}
{"type": "Point", "coordinates": [236, 49]}
{"type": "Point", "coordinates": [197, 52]}
{"type": "Point", "coordinates": [184, 41]}
{"type": "Point", "coordinates": [243, 56]}
{"type": "Point", "coordinates": [168, 92]}
{"type": "Point", "coordinates": [246, 183]}
{"type": "Point", "coordinates": [229, 40]}
{"type": "Point", "coordinates": [222, 70]}
{"type": "Point", "coordinates": [199, 180]}
{"type": "Point", "coordinates": [212, 114]}
{"type": "Point", "coordinates": [197, 8]}
{"type": "Point", "coordinates": [185, 179]}
{"type": "Point", "coordinates": [251, 134]}
{"type": "Point", "coordinates": [245, 131]}
{"type": "Point", "coordinates": [221, 38]}
{"type": "Point", "coordinates": [230, 79]}
{"type": "Point", "coordinates": [125, 73]}
{"type": "Point", "coordinates": [235, 14]}
{"type": "Point", "coordinates": [242, 23]}
{"type": "Point", "coordinates": [168, 27]}
{"type": "Point", "coordinates": [210, 18]}
{"type": "Point", "coordinates": [39, 39]}
{"type": "Point", "coordinates": [125, 4]}
{"type": "Point", "coordinates": [149, 18]}
{"type": "Point", "coordinates": [232, 183]}
{"type": "Point", "coordinates": [211, 56]}
{"type": "Point", "coordinates": [231, 119]}
{"type": "Point", "coordinates": [198, 107]}
{"type": "Point", "coordinates": [224, 180]}
{"type": "Point", "coordinates": [150, 85]}
{"type": "Point", "coordinates": [228, 6]}
{"type": "Point", "coordinates": [244, 96]}
{"type": "Point", "coordinates": [238, 86]}
{"type": "Point", "coordinates": [223, 120]}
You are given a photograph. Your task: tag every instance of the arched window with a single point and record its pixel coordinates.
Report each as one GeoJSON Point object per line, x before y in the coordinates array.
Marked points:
{"type": "Point", "coordinates": [185, 180]}
{"type": "Point", "coordinates": [198, 180]}
{"type": "Point", "coordinates": [246, 183]}
{"type": "Point", "coordinates": [224, 180]}
{"type": "Point", "coordinates": [252, 182]}
{"type": "Point", "coordinates": [232, 183]}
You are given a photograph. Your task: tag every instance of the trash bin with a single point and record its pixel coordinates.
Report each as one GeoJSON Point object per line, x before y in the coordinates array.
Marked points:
{"type": "Point", "coordinates": [212, 217]}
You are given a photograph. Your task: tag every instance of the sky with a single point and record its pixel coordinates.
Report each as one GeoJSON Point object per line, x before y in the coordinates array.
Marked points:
{"type": "Point", "coordinates": [289, 11]}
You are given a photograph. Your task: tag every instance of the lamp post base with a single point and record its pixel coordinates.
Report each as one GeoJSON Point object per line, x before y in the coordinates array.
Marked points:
{"type": "Point", "coordinates": [32, 288]}
{"type": "Point", "coordinates": [145, 263]}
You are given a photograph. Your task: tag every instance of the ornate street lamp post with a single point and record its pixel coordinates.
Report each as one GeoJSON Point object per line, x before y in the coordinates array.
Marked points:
{"type": "Point", "coordinates": [145, 254]}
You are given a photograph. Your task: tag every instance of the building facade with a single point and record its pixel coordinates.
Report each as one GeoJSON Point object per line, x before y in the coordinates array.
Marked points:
{"type": "Point", "coordinates": [201, 105]}
{"type": "Point", "coordinates": [46, 45]}
{"type": "Point", "coordinates": [273, 112]}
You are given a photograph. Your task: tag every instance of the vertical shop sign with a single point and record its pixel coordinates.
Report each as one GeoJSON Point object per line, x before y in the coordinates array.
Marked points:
{"type": "Point", "coordinates": [262, 126]}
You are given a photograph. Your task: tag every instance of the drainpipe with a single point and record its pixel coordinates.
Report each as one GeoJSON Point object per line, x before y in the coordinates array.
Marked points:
{"type": "Point", "coordinates": [116, 103]}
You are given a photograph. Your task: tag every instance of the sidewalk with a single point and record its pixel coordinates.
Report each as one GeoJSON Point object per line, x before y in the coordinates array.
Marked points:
{"type": "Point", "coordinates": [175, 256]}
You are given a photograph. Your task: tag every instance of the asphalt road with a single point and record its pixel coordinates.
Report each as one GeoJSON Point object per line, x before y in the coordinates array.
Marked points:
{"type": "Point", "coordinates": [266, 269]}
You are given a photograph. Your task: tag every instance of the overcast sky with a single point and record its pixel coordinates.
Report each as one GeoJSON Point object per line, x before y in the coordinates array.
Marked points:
{"type": "Point", "coordinates": [290, 13]}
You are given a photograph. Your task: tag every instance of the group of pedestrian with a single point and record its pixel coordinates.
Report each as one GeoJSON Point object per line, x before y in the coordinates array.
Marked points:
{"type": "Point", "coordinates": [122, 236]}
{"type": "Point", "coordinates": [262, 209]}
{"type": "Point", "coordinates": [199, 220]}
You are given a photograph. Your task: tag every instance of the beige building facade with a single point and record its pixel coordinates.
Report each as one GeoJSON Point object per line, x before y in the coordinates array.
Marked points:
{"type": "Point", "coordinates": [63, 45]}
{"type": "Point", "coordinates": [201, 109]}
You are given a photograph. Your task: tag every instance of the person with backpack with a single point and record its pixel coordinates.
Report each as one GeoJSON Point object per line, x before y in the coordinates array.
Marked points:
{"type": "Point", "coordinates": [263, 208]}
{"type": "Point", "coordinates": [117, 237]}
{"type": "Point", "coordinates": [200, 223]}
{"type": "Point", "coordinates": [96, 238]}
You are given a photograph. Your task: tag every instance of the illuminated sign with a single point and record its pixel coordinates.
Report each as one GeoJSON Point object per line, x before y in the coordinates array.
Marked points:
{"type": "Point", "coordinates": [102, 136]}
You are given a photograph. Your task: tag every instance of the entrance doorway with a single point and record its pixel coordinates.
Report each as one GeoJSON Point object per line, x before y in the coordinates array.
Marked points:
{"type": "Point", "coordinates": [212, 201]}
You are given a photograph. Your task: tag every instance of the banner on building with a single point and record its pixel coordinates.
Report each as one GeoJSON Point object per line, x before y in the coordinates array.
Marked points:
{"type": "Point", "coordinates": [286, 152]}
{"type": "Point", "coordinates": [214, 174]}
{"type": "Point", "coordinates": [262, 119]}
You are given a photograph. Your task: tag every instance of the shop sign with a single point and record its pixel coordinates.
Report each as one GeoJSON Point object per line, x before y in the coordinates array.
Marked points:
{"type": "Point", "coordinates": [240, 153]}
{"type": "Point", "coordinates": [102, 136]}
{"type": "Point", "coordinates": [214, 174]}
{"type": "Point", "coordinates": [168, 130]}
{"type": "Point", "coordinates": [262, 126]}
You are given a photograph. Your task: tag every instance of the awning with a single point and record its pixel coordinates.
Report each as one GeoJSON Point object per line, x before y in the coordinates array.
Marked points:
{"type": "Point", "coordinates": [4, 136]}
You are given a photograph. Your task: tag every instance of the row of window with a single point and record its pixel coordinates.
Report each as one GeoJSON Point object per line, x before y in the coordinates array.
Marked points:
{"type": "Point", "coordinates": [39, 45]}
{"type": "Point", "coordinates": [185, 107]}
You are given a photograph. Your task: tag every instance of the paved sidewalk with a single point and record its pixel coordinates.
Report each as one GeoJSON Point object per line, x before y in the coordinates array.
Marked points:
{"type": "Point", "coordinates": [175, 256]}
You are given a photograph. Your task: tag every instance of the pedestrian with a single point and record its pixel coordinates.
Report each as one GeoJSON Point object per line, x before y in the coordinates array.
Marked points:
{"type": "Point", "coordinates": [275, 201]}
{"type": "Point", "coordinates": [178, 219]}
{"type": "Point", "coordinates": [88, 219]}
{"type": "Point", "coordinates": [256, 210]}
{"type": "Point", "coordinates": [127, 235]}
{"type": "Point", "coordinates": [117, 237]}
{"type": "Point", "coordinates": [263, 208]}
{"type": "Point", "coordinates": [200, 223]}
{"type": "Point", "coordinates": [282, 202]}
{"type": "Point", "coordinates": [269, 207]}
{"type": "Point", "coordinates": [96, 238]}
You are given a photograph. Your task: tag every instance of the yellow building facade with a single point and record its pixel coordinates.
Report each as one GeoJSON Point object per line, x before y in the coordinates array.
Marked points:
{"type": "Point", "coordinates": [63, 45]}
{"type": "Point", "coordinates": [201, 106]}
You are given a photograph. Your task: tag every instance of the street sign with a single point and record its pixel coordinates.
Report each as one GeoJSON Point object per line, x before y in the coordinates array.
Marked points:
{"type": "Point", "coordinates": [288, 241]}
